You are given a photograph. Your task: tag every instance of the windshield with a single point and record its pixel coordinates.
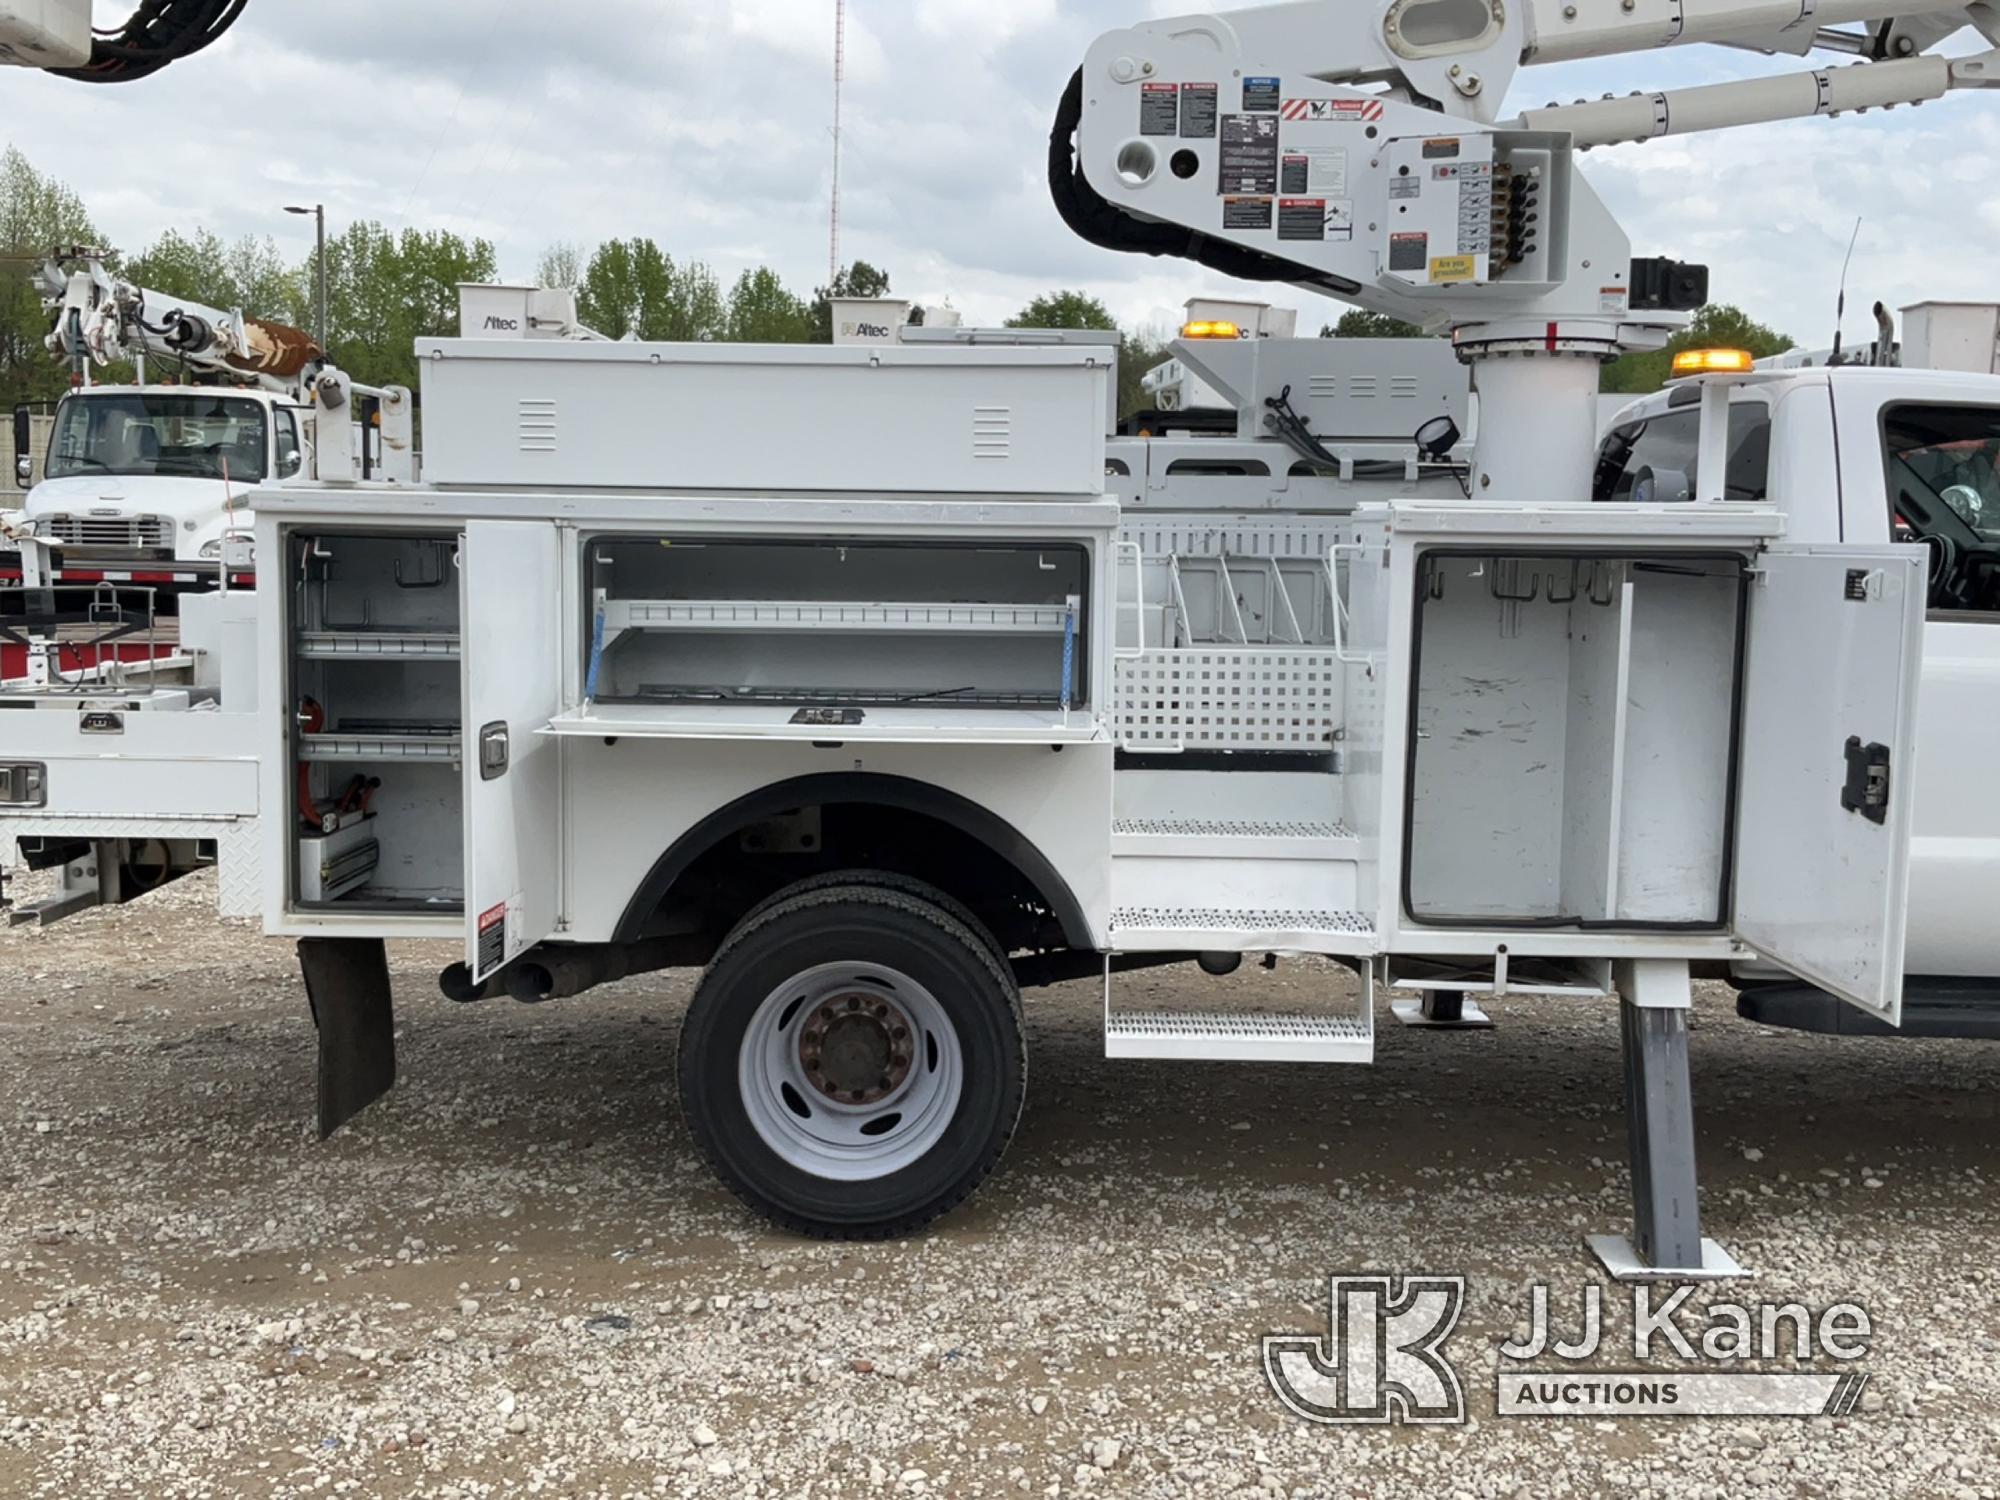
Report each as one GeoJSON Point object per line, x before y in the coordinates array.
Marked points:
{"type": "Point", "coordinates": [183, 434]}
{"type": "Point", "coordinates": [1955, 454]}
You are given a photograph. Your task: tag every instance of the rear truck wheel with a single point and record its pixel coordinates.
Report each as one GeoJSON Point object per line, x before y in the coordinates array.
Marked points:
{"type": "Point", "coordinates": [852, 1065]}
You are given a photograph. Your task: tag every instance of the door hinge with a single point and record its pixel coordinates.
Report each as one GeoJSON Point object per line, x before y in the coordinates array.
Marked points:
{"type": "Point", "coordinates": [1867, 789]}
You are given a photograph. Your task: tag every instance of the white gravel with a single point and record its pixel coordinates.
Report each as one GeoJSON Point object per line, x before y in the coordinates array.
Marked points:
{"type": "Point", "coordinates": [512, 1278]}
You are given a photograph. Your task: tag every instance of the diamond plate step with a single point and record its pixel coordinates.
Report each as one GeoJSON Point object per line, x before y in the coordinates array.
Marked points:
{"type": "Point", "coordinates": [1214, 1036]}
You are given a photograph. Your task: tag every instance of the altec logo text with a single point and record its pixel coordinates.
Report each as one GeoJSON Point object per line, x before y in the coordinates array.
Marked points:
{"type": "Point", "coordinates": [1385, 1357]}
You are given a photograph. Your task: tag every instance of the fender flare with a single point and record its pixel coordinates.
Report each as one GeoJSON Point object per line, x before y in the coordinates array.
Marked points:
{"type": "Point", "coordinates": [868, 788]}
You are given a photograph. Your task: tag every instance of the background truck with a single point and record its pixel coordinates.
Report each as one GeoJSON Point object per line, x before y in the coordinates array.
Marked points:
{"type": "Point", "coordinates": [149, 478]}
{"type": "Point", "coordinates": [1869, 454]}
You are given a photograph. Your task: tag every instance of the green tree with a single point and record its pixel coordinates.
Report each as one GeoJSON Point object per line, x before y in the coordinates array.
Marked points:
{"type": "Point", "coordinates": [561, 265]}
{"type": "Point", "coordinates": [249, 276]}
{"type": "Point", "coordinates": [632, 288]}
{"type": "Point", "coordinates": [1064, 310]}
{"type": "Point", "coordinates": [37, 214]}
{"type": "Point", "coordinates": [858, 280]}
{"type": "Point", "coordinates": [1719, 326]}
{"type": "Point", "coordinates": [1138, 352]}
{"type": "Point", "coordinates": [1357, 324]}
{"type": "Point", "coordinates": [386, 291]}
{"type": "Point", "coordinates": [763, 310]}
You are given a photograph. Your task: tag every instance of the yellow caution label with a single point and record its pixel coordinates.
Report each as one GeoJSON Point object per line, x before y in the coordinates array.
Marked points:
{"type": "Point", "coordinates": [1449, 268]}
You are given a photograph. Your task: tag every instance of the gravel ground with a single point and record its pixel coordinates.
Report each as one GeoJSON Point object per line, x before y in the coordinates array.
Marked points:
{"type": "Point", "coordinates": [512, 1277]}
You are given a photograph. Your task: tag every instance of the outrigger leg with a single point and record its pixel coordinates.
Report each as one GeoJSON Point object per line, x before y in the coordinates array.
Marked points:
{"type": "Point", "coordinates": [347, 986]}
{"type": "Point", "coordinates": [1443, 1010]}
{"type": "Point", "coordinates": [1657, 998]}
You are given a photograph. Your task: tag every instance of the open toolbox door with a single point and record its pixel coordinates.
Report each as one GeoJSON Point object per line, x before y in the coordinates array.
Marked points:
{"type": "Point", "coordinates": [511, 588]}
{"type": "Point", "coordinates": [1828, 769]}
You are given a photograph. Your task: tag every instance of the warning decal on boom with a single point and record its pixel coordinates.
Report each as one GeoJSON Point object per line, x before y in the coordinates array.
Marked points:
{"type": "Point", "coordinates": [1246, 213]}
{"type": "Point", "coordinates": [1409, 252]}
{"type": "Point", "coordinates": [1263, 96]}
{"type": "Point", "coordinates": [1302, 219]}
{"type": "Point", "coordinates": [1249, 155]}
{"type": "Point", "coordinates": [1201, 106]}
{"type": "Point", "coordinates": [1160, 109]}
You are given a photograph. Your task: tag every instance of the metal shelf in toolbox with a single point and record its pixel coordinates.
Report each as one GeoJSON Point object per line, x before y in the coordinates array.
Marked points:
{"type": "Point", "coordinates": [369, 748]}
{"type": "Point", "coordinates": [780, 616]}
{"type": "Point", "coordinates": [378, 645]}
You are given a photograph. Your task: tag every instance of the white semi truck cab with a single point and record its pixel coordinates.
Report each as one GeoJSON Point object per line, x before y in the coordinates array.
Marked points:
{"type": "Point", "coordinates": [141, 476]}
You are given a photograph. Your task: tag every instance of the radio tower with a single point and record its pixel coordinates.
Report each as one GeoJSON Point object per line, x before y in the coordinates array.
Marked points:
{"type": "Point", "coordinates": [839, 82]}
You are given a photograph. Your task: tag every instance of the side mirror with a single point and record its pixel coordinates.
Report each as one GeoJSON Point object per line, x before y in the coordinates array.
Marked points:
{"type": "Point", "coordinates": [1968, 502]}
{"type": "Point", "coordinates": [24, 442]}
{"type": "Point", "coordinates": [1653, 486]}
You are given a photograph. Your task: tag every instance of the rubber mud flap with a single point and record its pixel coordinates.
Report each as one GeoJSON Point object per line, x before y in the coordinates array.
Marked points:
{"type": "Point", "coordinates": [347, 986]}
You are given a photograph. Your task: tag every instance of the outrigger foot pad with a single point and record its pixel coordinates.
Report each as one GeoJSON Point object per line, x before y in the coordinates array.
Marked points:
{"type": "Point", "coordinates": [347, 986]}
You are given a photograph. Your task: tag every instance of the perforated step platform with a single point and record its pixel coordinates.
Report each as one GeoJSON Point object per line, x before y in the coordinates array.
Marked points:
{"type": "Point", "coordinates": [1215, 1036]}
{"type": "Point", "coordinates": [1220, 828]}
{"type": "Point", "coordinates": [1245, 838]}
{"type": "Point", "coordinates": [1142, 929]}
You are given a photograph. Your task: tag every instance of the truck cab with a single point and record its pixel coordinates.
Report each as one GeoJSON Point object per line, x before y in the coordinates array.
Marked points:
{"type": "Point", "coordinates": [156, 475]}
{"type": "Point", "coordinates": [1905, 457]}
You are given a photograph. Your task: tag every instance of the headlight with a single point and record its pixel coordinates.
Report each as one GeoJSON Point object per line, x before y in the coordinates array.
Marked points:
{"type": "Point", "coordinates": [212, 551]}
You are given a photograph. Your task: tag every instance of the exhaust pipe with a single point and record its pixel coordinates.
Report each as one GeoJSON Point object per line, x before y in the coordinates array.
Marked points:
{"type": "Point", "coordinates": [457, 986]}
{"type": "Point", "coordinates": [553, 973]}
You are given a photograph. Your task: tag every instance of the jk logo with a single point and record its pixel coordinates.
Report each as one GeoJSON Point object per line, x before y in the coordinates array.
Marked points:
{"type": "Point", "coordinates": [1382, 1360]}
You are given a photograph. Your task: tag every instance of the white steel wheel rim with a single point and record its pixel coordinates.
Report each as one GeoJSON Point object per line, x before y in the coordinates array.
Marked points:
{"type": "Point", "coordinates": [835, 1138]}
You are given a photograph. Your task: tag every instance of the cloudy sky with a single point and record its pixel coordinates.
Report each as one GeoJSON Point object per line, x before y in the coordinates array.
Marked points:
{"type": "Point", "coordinates": [704, 123]}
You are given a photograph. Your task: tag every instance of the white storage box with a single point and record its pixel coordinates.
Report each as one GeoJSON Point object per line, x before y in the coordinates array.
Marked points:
{"type": "Point", "coordinates": [762, 417]}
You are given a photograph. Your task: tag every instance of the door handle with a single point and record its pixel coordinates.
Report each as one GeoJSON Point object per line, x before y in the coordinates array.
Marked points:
{"type": "Point", "coordinates": [494, 752]}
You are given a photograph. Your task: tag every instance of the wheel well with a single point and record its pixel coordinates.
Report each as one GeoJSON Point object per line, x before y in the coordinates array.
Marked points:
{"type": "Point", "coordinates": [744, 853]}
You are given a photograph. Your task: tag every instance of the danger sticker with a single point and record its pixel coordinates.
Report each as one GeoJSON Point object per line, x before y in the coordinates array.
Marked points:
{"type": "Point", "coordinates": [1160, 109]}
{"type": "Point", "coordinates": [1249, 156]}
{"type": "Point", "coordinates": [1295, 175]}
{"type": "Point", "coordinates": [1246, 213]}
{"type": "Point", "coordinates": [1409, 252]}
{"type": "Point", "coordinates": [493, 939]}
{"type": "Point", "coordinates": [1263, 96]}
{"type": "Point", "coordinates": [1441, 149]}
{"type": "Point", "coordinates": [1302, 218]}
{"type": "Point", "coordinates": [1201, 107]}
{"type": "Point", "coordinates": [1332, 111]}
{"type": "Point", "coordinates": [1446, 269]}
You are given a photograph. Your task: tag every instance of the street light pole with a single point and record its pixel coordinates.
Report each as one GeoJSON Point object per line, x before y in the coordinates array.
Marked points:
{"type": "Point", "coordinates": [318, 211]}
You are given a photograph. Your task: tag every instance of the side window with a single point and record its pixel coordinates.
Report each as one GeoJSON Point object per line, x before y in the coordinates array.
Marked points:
{"type": "Point", "coordinates": [1670, 443]}
{"type": "Point", "coordinates": [286, 433]}
{"type": "Point", "coordinates": [1944, 492]}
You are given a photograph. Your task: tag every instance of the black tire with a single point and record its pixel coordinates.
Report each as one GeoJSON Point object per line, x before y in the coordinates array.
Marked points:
{"type": "Point", "coordinates": [889, 880]}
{"type": "Point", "coordinates": [905, 927]}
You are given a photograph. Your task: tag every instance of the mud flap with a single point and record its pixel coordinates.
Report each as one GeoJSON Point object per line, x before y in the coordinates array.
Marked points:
{"type": "Point", "coordinates": [347, 986]}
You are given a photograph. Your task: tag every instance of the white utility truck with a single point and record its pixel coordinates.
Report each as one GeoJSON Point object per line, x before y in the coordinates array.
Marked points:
{"type": "Point", "coordinates": [149, 480]}
{"type": "Point", "coordinates": [937, 691]}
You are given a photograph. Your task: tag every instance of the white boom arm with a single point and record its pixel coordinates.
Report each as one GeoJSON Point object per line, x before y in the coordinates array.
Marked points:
{"type": "Point", "coordinates": [102, 320]}
{"type": "Point", "coordinates": [99, 320]}
{"type": "Point", "coordinates": [1353, 147]}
